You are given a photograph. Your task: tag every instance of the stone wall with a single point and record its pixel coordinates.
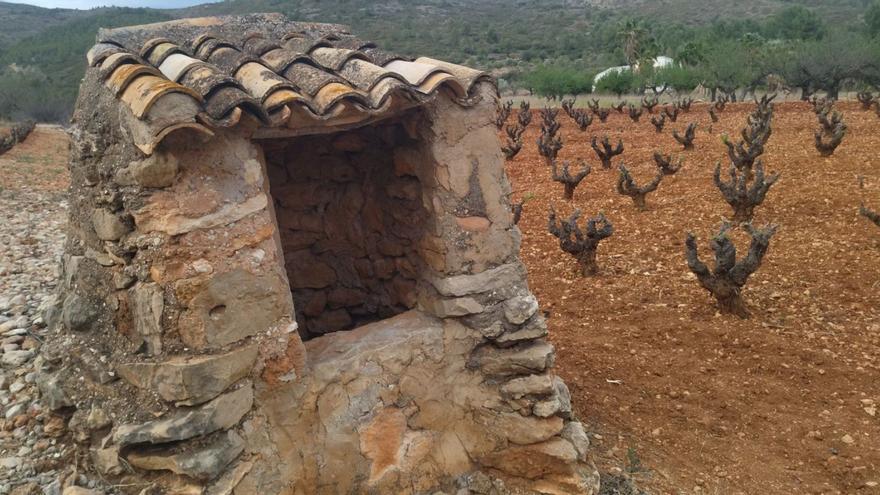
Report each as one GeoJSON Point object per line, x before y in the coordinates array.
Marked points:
{"type": "Point", "coordinates": [178, 362]}
{"type": "Point", "coordinates": [349, 222]}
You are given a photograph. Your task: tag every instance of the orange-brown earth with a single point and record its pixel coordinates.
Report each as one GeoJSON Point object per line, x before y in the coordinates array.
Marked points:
{"type": "Point", "coordinates": [785, 402]}
{"type": "Point", "coordinates": [38, 162]}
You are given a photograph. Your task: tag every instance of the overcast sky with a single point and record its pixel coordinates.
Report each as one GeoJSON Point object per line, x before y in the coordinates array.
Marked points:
{"type": "Point", "coordinates": [87, 4]}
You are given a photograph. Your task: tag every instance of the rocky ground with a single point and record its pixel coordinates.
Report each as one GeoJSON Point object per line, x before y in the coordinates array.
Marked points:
{"type": "Point", "coordinates": [34, 457]}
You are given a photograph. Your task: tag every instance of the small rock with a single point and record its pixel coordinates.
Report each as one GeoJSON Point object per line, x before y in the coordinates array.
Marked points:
{"type": "Point", "coordinates": [16, 410]}
{"type": "Point", "coordinates": [15, 359]}
{"type": "Point", "coordinates": [78, 312]}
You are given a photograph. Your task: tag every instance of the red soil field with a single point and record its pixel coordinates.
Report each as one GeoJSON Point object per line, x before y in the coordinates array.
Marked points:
{"type": "Point", "coordinates": [785, 402]}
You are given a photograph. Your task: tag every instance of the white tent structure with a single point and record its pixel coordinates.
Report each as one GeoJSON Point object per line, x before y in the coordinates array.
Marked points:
{"type": "Point", "coordinates": [660, 62]}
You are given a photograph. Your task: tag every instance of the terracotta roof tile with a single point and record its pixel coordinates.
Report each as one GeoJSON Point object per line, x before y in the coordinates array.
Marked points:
{"type": "Point", "coordinates": [265, 66]}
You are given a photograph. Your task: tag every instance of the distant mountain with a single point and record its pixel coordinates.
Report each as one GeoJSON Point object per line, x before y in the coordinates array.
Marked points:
{"type": "Point", "coordinates": [45, 47]}
{"type": "Point", "coordinates": [18, 21]}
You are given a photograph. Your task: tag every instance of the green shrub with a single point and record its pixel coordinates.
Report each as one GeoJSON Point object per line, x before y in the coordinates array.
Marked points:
{"type": "Point", "coordinates": [617, 82]}
{"type": "Point", "coordinates": [557, 82]}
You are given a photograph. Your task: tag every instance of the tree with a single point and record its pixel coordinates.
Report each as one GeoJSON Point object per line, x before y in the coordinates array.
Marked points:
{"type": "Point", "coordinates": [691, 53]}
{"type": "Point", "coordinates": [872, 19]}
{"type": "Point", "coordinates": [556, 82]}
{"type": "Point", "coordinates": [617, 82]}
{"type": "Point", "coordinates": [633, 36]}
{"type": "Point", "coordinates": [679, 78]}
{"type": "Point", "coordinates": [827, 64]}
{"type": "Point", "coordinates": [727, 67]}
{"type": "Point", "coordinates": [795, 23]}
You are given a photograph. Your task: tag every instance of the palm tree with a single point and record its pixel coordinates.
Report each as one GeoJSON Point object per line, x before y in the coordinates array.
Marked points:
{"type": "Point", "coordinates": [632, 34]}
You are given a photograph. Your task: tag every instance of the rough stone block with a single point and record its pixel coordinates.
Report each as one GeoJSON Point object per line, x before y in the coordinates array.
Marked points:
{"type": "Point", "coordinates": [232, 306]}
{"type": "Point", "coordinates": [522, 359]}
{"type": "Point", "coordinates": [306, 271]}
{"type": "Point", "coordinates": [444, 308]}
{"type": "Point", "coordinates": [220, 414]}
{"type": "Point", "coordinates": [147, 305]}
{"type": "Point", "coordinates": [204, 463]}
{"type": "Point", "coordinates": [517, 310]}
{"type": "Point", "coordinates": [531, 385]}
{"type": "Point", "coordinates": [473, 224]}
{"type": "Point", "coordinates": [189, 381]}
{"type": "Point", "coordinates": [524, 430]}
{"type": "Point", "coordinates": [493, 279]}
{"type": "Point", "coordinates": [79, 312]}
{"type": "Point", "coordinates": [535, 329]}
{"type": "Point", "coordinates": [555, 456]}
{"type": "Point", "coordinates": [108, 225]}
{"type": "Point", "coordinates": [157, 170]}
{"type": "Point", "coordinates": [573, 431]}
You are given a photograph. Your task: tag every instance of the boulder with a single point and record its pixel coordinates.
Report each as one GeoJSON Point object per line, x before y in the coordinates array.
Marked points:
{"type": "Point", "coordinates": [15, 358]}
{"type": "Point", "coordinates": [51, 390]}
{"type": "Point", "coordinates": [107, 460]}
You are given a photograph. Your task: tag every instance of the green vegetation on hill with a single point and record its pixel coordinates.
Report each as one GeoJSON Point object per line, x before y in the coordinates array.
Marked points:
{"type": "Point", "coordinates": [549, 47]}
{"type": "Point", "coordinates": [40, 73]}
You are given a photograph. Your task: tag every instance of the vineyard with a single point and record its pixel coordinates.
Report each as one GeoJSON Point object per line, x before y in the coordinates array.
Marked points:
{"type": "Point", "coordinates": [778, 397]}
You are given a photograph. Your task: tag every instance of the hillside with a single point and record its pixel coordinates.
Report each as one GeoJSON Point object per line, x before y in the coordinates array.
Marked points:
{"type": "Point", "coordinates": [18, 21]}
{"type": "Point", "coordinates": [44, 48]}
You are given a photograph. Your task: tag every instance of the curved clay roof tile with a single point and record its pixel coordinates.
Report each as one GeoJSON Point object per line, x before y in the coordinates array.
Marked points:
{"type": "Point", "coordinates": [335, 58]}
{"type": "Point", "coordinates": [148, 46]}
{"type": "Point", "coordinates": [364, 75]}
{"type": "Point", "coordinates": [162, 51]}
{"type": "Point", "coordinates": [176, 64]}
{"type": "Point", "coordinates": [122, 76]}
{"type": "Point", "coordinates": [281, 58]}
{"type": "Point", "coordinates": [101, 51]}
{"type": "Point", "coordinates": [308, 78]}
{"type": "Point", "coordinates": [111, 63]}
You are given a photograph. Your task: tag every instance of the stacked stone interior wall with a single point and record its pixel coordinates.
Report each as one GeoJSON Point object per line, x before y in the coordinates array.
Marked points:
{"type": "Point", "coordinates": [349, 225]}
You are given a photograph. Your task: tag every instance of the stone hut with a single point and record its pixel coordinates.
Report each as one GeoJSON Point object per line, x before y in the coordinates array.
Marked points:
{"type": "Point", "coordinates": [291, 269]}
